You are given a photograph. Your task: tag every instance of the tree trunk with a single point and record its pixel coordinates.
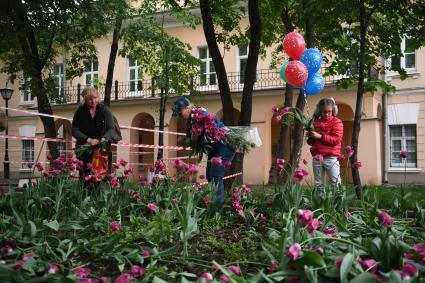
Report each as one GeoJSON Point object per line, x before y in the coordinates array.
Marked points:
{"type": "Point", "coordinates": [284, 129]}
{"type": "Point", "coordinates": [359, 101]}
{"type": "Point", "coordinates": [32, 56]}
{"type": "Point", "coordinates": [298, 131]}
{"type": "Point", "coordinates": [223, 83]}
{"type": "Point", "coordinates": [162, 105]}
{"type": "Point", "coordinates": [111, 63]}
{"type": "Point", "coordinates": [250, 75]}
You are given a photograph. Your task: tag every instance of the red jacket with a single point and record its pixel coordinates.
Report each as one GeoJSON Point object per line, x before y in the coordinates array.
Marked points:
{"type": "Point", "coordinates": [330, 143]}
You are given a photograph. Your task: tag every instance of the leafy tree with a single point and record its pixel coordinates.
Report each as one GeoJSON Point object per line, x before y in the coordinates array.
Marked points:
{"type": "Point", "coordinates": [33, 34]}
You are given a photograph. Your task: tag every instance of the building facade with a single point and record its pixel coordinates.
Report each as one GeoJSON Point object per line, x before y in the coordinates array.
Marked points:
{"type": "Point", "coordinates": [135, 102]}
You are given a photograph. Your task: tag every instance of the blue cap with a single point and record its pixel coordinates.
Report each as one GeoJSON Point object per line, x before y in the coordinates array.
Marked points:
{"type": "Point", "coordinates": [180, 104]}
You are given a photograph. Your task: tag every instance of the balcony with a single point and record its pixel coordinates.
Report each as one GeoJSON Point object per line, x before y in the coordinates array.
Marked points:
{"type": "Point", "coordinates": [266, 79]}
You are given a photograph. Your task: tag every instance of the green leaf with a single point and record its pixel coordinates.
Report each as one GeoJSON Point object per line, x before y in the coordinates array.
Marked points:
{"type": "Point", "coordinates": [187, 274]}
{"type": "Point", "coordinates": [395, 277]}
{"type": "Point", "coordinates": [52, 224]}
{"type": "Point", "coordinates": [158, 280]}
{"type": "Point", "coordinates": [310, 258]}
{"type": "Point", "coordinates": [33, 228]}
{"type": "Point", "coordinates": [364, 277]}
{"type": "Point", "coordinates": [346, 265]}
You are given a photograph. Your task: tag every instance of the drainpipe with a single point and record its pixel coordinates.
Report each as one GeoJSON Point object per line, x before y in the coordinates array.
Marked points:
{"type": "Point", "coordinates": [385, 119]}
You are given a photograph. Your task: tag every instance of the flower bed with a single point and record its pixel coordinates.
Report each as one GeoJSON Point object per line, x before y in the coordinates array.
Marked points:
{"type": "Point", "coordinates": [169, 230]}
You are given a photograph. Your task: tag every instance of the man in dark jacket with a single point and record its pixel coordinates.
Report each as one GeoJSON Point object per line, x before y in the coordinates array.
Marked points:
{"type": "Point", "coordinates": [92, 122]}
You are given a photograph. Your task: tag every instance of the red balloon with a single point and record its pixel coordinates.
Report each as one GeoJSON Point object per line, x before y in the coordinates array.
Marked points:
{"type": "Point", "coordinates": [294, 45]}
{"type": "Point", "coordinates": [296, 73]}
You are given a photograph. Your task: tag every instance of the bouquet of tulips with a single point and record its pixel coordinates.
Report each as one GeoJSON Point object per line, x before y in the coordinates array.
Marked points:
{"type": "Point", "coordinates": [286, 117]}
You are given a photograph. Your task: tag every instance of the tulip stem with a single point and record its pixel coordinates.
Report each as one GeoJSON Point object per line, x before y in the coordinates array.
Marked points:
{"type": "Point", "coordinates": [332, 238]}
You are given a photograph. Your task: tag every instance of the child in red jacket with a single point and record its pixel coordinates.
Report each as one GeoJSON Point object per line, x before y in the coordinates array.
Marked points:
{"type": "Point", "coordinates": [325, 143]}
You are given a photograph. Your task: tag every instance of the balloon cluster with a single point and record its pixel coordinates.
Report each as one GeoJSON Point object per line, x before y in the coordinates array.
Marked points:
{"type": "Point", "coordinates": [302, 71]}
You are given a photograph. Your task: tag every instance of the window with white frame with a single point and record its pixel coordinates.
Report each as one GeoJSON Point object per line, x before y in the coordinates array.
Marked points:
{"type": "Point", "coordinates": [408, 60]}
{"type": "Point", "coordinates": [59, 78]}
{"type": "Point", "coordinates": [135, 76]}
{"type": "Point", "coordinates": [242, 60]}
{"type": "Point", "coordinates": [403, 138]}
{"type": "Point", "coordinates": [27, 145]}
{"type": "Point", "coordinates": [26, 96]}
{"type": "Point", "coordinates": [208, 75]}
{"type": "Point", "coordinates": [91, 72]}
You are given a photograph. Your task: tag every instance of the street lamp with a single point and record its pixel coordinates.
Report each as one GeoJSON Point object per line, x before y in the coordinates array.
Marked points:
{"type": "Point", "coordinates": [6, 93]}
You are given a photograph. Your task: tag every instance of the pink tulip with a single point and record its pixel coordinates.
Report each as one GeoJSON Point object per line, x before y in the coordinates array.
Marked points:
{"type": "Point", "coordinates": [369, 265]}
{"type": "Point", "coordinates": [228, 164]}
{"type": "Point", "coordinates": [278, 118]}
{"type": "Point", "coordinates": [223, 278]}
{"type": "Point", "coordinates": [273, 267]}
{"type": "Point", "coordinates": [87, 178]}
{"type": "Point", "coordinates": [329, 231]}
{"type": "Point", "coordinates": [280, 161]}
{"type": "Point", "coordinates": [299, 174]}
{"type": "Point", "coordinates": [304, 216]}
{"type": "Point", "coordinates": [349, 150]}
{"type": "Point", "coordinates": [6, 249]}
{"type": "Point", "coordinates": [385, 219]}
{"type": "Point", "coordinates": [81, 272]}
{"type": "Point", "coordinates": [292, 278]}
{"type": "Point", "coordinates": [115, 226]}
{"type": "Point", "coordinates": [207, 276]}
{"type": "Point", "coordinates": [294, 251]}
{"type": "Point", "coordinates": [206, 201]}
{"type": "Point", "coordinates": [122, 162]}
{"type": "Point", "coordinates": [152, 207]}
{"type": "Point", "coordinates": [39, 166]}
{"type": "Point", "coordinates": [53, 268]}
{"type": "Point", "coordinates": [217, 161]}
{"type": "Point", "coordinates": [137, 196]}
{"type": "Point", "coordinates": [341, 158]}
{"type": "Point", "coordinates": [262, 218]}
{"type": "Point", "coordinates": [318, 157]}
{"type": "Point", "coordinates": [202, 177]}
{"type": "Point", "coordinates": [320, 251]}
{"type": "Point", "coordinates": [403, 154]}
{"type": "Point", "coordinates": [137, 271]}
{"type": "Point", "coordinates": [275, 109]}
{"type": "Point", "coordinates": [28, 255]}
{"type": "Point", "coordinates": [235, 269]}
{"type": "Point", "coordinates": [146, 253]}
{"type": "Point", "coordinates": [305, 161]}
{"type": "Point", "coordinates": [357, 165]}
{"type": "Point", "coordinates": [313, 226]}
{"type": "Point", "coordinates": [408, 271]}
{"type": "Point", "coordinates": [246, 190]}
{"type": "Point", "coordinates": [338, 261]}
{"type": "Point", "coordinates": [124, 278]}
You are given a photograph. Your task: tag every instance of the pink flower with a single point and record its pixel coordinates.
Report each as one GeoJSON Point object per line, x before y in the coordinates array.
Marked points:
{"type": "Point", "coordinates": [152, 207]}
{"type": "Point", "coordinates": [137, 271]}
{"type": "Point", "coordinates": [273, 267]}
{"type": "Point", "coordinates": [329, 231]}
{"type": "Point", "coordinates": [346, 215]}
{"type": "Point", "coordinates": [87, 178]}
{"type": "Point", "coordinates": [280, 161]}
{"type": "Point", "coordinates": [269, 202]}
{"type": "Point", "coordinates": [217, 161]}
{"type": "Point", "coordinates": [39, 166]}
{"type": "Point", "coordinates": [246, 190]}
{"type": "Point", "coordinates": [299, 174]}
{"type": "Point", "coordinates": [408, 271]}
{"type": "Point", "coordinates": [304, 216]}
{"type": "Point", "coordinates": [338, 261]}
{"type": "Point", "coordinates": [294, 251]}
{"type": "Point", "coordinates": [115, 226]}
{"type": "Point", "coordinates": [202, 177]}
{"type": "Point", "coordinates": [385, 219]}
{"type": "Point", "coordinates": [318, 157]}
{"type": "Point", "coordinates": [123, 162]}
{"type": "Point", "coordinates": [137, 196]}
{"type": "Point", "coordinates": [146, 253]}
{"type": "Point", "coordinates": [89, 165]}
{"type": "Point", "coordinates": [305, 161]}
{"type": "Point", "coordinates": [82, 272]}
{"type": "Point", "coordinates": [28, 255]}
{"type": "Point", "coordinates": [319, 250]}
{"type": "Point", "coordinates": [369, 265]}
{"type": "Point", "coordinates": [285, 110]}
{"type": "Point", "coordinates": [313, 226]}
{"type": "Point", "coordinates": [262, 218]}
{"type": "Point", "coordinates": [223, 278]}
{"type": "Point", "coordinates": [275, 109]}
{"type": "Point", "coordinates": [207, 276]}
{"type": "Point", "coordinates": [47, 174]}
{"type": "Point", "coordinates": [227, 164]}
{"type": "Point", "coordinates": [403, 154]}
{"type": "Point", "coordinates": [6, 249]}
{"type": "Point", "coordinates": [20, 263]}
{"type": "Point", "coordinates": [53, 268]}
{"type": "Point", "coordinates": [292, 278]}
{"type": "Point", "coordinates": [341, 158]}
{"type": "Point", "coordinates": [235, 269]}
{"type": "Point", "coordinates": [357, 164]}
{"type": "Point", "coordinates": [206, 201]}
{"type": "Point", "coordinates": [349, 150]}
{"type": "Point", "coordinates": [49, 156]}
{"type": "Point", "coordinates": [124, 278]}
{"type": "Point", "coordinates": [278, 118]}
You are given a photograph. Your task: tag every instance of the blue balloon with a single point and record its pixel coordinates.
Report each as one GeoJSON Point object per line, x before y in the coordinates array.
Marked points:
{"type": "Point", "coordinates": [312, 59]}
{"type": "Point", "coordinates": [314, 84]}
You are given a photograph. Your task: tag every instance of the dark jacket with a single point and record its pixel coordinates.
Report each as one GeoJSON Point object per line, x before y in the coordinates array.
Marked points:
{"type": "Point", "coordinates": [84, 126]}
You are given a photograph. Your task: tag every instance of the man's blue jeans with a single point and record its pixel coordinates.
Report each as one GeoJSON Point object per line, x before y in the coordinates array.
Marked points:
{"type": "Point", "coordinates": [216, 173]}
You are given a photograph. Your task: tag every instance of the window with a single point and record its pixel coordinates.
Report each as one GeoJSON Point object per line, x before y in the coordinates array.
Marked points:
{"type": "Point", "coordinates": [27, 152]}
{"type": "Point", "coordinates": [208, 75]}
{"type": "Point", "coordinates": [59, 78]}
{"type": "Point", "coordinates": [26, 96]}
{"type": "Point", "coordinates": [135, 77]}
{"type": "Point", "coordinates": [27, 145]}
{"type": "Point", "coordinates": [91, 73]}
{"type": "Point", "coordinates": [408, 61]}
{"type": "Point", "coordinates": [403, 137]}
{"type": "Point", "coordinates": [242, 60]}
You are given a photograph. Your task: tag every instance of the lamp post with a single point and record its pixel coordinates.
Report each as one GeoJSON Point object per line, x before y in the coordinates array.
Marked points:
{"type": "Point", "coordinates": [6, 93]}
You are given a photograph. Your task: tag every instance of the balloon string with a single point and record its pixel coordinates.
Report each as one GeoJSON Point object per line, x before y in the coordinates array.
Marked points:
{"type": "Point", "coordinates": [306, 102]}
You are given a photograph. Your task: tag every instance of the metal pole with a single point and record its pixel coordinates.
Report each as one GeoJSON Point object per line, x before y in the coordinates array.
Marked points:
{"type": "Point", "coordinates": [6, 155]}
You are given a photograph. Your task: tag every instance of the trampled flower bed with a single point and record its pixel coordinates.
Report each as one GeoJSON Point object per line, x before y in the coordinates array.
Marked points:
{"type": "Point", "coordinates": [169, 230]}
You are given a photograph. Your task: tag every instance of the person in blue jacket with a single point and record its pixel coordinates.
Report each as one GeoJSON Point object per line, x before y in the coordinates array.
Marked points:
{"type": "Point", "coordinates": [215, 173]}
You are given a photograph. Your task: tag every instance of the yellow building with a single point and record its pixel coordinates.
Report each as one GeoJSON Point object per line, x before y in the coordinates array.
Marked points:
{"type": "Point", "coordinates": [135, 104]}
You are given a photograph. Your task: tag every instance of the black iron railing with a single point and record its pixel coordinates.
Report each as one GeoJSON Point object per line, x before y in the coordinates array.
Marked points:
{"type": "Point", "coordinates": [266, 79]}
